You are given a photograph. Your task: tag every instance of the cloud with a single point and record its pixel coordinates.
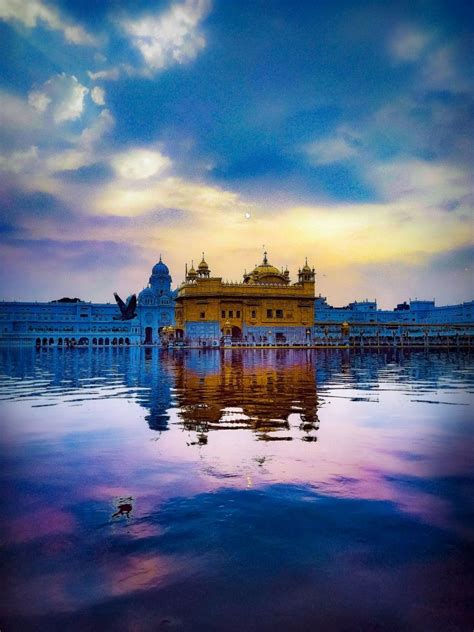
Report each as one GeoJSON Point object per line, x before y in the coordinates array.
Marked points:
{"type": "Point", "coordinates": [172, 37]}
{"type": "Point", "coordinates": [422, 184]}
{"type": "Point", "coordinates": [63, 95]}
{"type": "Point", "coordinates": [408, 43]}
{"type": "Point", "coordinates": [139, 164]}
{"type": "Point", "coordinates": [113, 74]}
{"type": "Point", "coordinates": [18, 161]}
{"type": "Point", "coordinates": [85, 152]}
{"type": "Point", "coordinates": [442, 71]}
{"type": "Point", "coordinates": [18, 122]}
{"type": "Point", "coordinates": [102, 125]}
{"type": "Point", "coordinates": [39, 163]}
{"type": "Point", "coordinates": [456, 259]}
{"type": "Point", "coordinates": [200, 198]}
{"type": "Point", "coordinates": [435, 125]}
{"type": "Point", "coordinates": [341, 146]}
{"type": "Point", "coordinates": [98, 95]}
{"type": "Point", "coordinates": [32, 12]}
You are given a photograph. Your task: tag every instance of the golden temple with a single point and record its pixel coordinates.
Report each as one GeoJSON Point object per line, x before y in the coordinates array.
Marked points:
{"type": "Point", "coordinates": [264, 308]}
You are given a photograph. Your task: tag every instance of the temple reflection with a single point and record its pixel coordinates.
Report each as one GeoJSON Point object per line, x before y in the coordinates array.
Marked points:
{"type": "Point", "coordinates": [270, 392]}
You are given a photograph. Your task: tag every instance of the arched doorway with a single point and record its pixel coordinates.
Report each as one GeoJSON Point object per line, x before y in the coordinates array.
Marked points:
{"type": "Point", "coordinates": [120, 341]}
{"type": "Point", "coordinates": [236, 333]}
{"type": "Point", "coordinates": [94, 341]}
{"type": "Point", "coordinates": [148, 335]}
{"type": "Point", "coordinates": [60, 342]}
{"type": "Point", "coordinates": [38, 342]}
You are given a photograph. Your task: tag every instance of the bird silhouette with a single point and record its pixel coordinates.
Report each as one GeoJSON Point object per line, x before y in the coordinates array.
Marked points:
{"type": "Point", "coordinates": [127, 310]}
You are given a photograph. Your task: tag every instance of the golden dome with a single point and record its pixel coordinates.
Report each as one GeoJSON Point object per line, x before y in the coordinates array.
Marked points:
{"type": "Point", "coordinates": [262, 270]}
{"type": "Point", "coordinates": [265, 273]}
{"type": "Point", "coordinates": [203, 265]}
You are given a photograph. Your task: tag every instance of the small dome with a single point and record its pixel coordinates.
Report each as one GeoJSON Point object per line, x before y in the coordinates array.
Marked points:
{"type": "Point", "coordinates": [203, 268]}
{"type": "Point", "coordinates": [192, 272]}
{"type": "Point", "coordinates": [306, 267]}
{"type": "Point", "coordinates": [160, 269]}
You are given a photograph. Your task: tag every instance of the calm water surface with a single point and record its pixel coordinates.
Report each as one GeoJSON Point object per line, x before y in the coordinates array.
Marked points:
{"type": "Point", "coordinates": [241, 490]}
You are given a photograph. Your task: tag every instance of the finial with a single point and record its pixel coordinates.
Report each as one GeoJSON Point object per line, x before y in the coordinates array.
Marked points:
{"type": "Point", "coordinates": [160, 257]}
{"type": "Point", "coordinates": [306, 260]}
{"type": "Point", "coordinates": [203, 255]}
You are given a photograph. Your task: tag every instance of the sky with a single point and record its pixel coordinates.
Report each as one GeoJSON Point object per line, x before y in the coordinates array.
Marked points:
{"type": "Point", "coordinates": [338, 131]}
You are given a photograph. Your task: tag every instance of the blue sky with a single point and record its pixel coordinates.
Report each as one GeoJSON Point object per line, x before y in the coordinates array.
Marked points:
{"type": "Point", "coordinates": [341, 131]}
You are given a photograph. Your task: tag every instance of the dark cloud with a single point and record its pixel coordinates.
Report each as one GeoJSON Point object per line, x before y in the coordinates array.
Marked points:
{"type": "Point", "coordinates": [456, 259]}
{"type": "Point", "coordinates": [97, 173]}
{"type": "Point", "coordinates": [82, 256]}
{"type": "Point", "coordinates": [16, 203]}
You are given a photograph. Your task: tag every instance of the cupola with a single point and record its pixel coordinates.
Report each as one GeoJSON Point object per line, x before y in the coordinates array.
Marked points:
{"type": "Point", "coordinates": [203, 268]}
{"type": "Point", "coordinates": [306, 274]}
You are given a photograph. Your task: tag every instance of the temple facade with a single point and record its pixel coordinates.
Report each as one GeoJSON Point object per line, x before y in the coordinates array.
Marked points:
{"type": "Point", "coordinates": [264, 308]}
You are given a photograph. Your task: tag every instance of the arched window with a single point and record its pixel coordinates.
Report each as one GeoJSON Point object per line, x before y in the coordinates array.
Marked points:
{"type": "Point", "coordinates": [120, 341]}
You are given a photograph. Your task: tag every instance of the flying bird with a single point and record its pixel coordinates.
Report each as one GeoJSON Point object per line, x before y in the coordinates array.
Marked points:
{"type": "Point", "coordinates": [127, 310]}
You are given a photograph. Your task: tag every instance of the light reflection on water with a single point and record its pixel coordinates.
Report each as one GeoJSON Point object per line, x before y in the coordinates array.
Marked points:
{"type": "Point", "coordinates": [236, 490]}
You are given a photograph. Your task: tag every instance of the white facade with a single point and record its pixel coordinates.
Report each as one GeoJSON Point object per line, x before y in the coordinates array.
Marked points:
{"type": "Point", "coordinates": [61, 323]}
{"type": "Point", "coordinates": [419, 312]}
{"type": "Point", "coordinates": [66, 324]}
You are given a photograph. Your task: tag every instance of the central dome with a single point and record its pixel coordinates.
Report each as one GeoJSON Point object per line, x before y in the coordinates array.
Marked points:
{"type": "Point", "coordinates": [263, 269]}
{"type": "Point", "coordinates": [265, 273]}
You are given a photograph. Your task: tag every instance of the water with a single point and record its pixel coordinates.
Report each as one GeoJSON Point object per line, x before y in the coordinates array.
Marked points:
{"type": "Point", "coordinates": [236, 490]}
